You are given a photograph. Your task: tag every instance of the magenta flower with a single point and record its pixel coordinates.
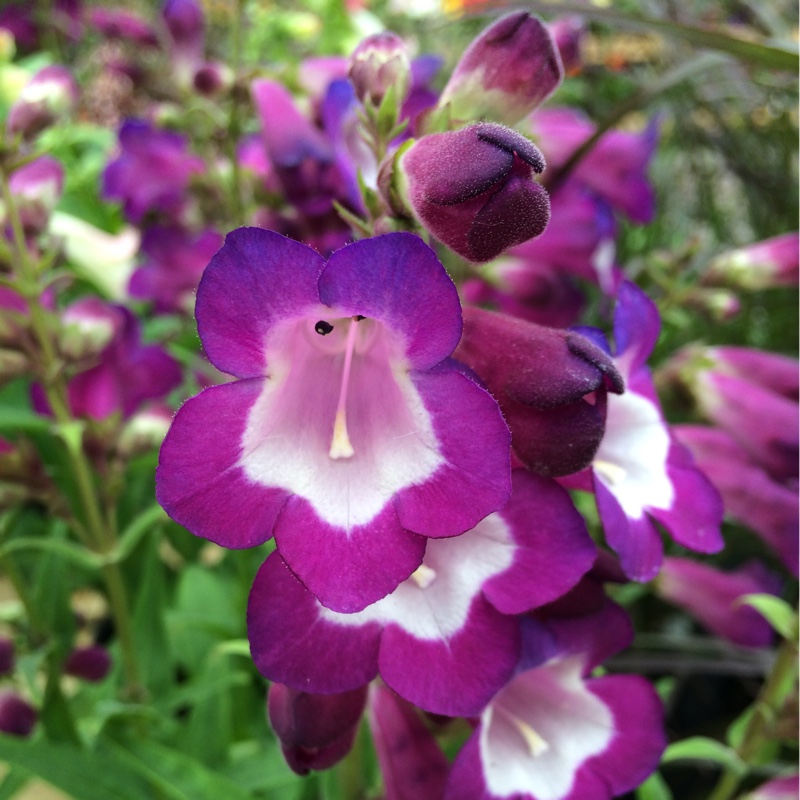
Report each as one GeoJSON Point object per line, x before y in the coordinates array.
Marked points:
{"type": "Point", "coordinates": [349, 436]}
{"type": "Point", "coordinates": [711, 596]}
{"type": "Point", "coordinates": [316, 731]}
{"type": "Point", "coordinates": [544, 380]}
{"type": "Point", "coordinates": [186, 29]}
{"type": "Point", "coordinates": [772, 262]}
{"type": "Point", "coordinates": [125, 25]}
{"type": "Point", "coordinates": [445, 639]}
{"type": "Point", "coordinates": [555, 733]}
{"type": "Point", "coordinates": [641, 473]}
{"type": "Point", "coordinates": [412, 763]}
{"type": "Point", "coordinates": [505, 73]}
{"type": "Point", "coordinates": [786, 787]}
{"type": "Point", "coordinates": [174, 261]}
{"type": "Point", "coordinates": [616, 168]}
{"type": "Point", "coordinates": [151, 172]}
{"type": "Point", "coordinates": [749, 494]}
{"type": "Point", "coordinates": [126, 372]}
{"type": "Point", "coordinates": [473, 189]}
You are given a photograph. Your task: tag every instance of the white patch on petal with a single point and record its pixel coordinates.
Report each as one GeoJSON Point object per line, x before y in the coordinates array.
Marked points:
{"type": "Point", "coordinates": [290, 441]}
{"type": "Point", "coordinates": [632, 458]}
{"type": "Point", "coordinates": [434, 602]}
{"type": "Point", "coordinates": [540, 729]}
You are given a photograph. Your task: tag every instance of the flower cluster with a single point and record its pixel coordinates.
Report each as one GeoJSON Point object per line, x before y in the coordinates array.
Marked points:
{"type": "Point", "coordinates": [418, 399]}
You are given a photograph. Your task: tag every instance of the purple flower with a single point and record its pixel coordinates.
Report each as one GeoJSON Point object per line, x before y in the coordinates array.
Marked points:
{"type": "Point", "coordinates": [787, 787]}
{"type": "Point", "coordinates": [379, 62]}
{"type": "Point", "coordinates": [186, 28]}
{"type": "Point", "coordinates": [120, 24]}
{"type": "Point", "coordinates": [748, 493]}
{"type": "Point", "coordinates": [711, 597]}
{"type": "Point", "coordinates": [555, 733]}
{"type": "Point", "coordinates": [17, 716]}
{"type": "Point", "coordinates": [316, 731]}
{"type": "Point", "coordinates": [505, 73]}
{"type": "Point", "coordinates": [348, 436]}
{"type": "Point", "coordinates": [126, 373]}
{"type": "Point", "coordinates": [641, 473]}
{"type": "Point", "coordinates": [568, 34]}
{"type": "Point", "coordinates": [174, 261]}
{"type": "Point", "coordinates": [542, 377]}
{"type": "Point", "coordinates": [616, 168]}
{"type": "Point", "coordinates": [36, 188]}
{"type": "Point", "coordinates": [773, 262]}
{"type": "Point", "coordinates": [88, 663]}
{"type": "Point", "coordinates": [473, 188]}
{"type": "Point", "coordinates": [412, 763]}
{"type": "Point", "coordinates": [445, 639]}
{"type": "Point", "coordinates": [151, 172]}
{"type": "Point", "coordinates": [49, 95]}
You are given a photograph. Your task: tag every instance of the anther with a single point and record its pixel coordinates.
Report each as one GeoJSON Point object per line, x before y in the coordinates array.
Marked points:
{"type": "Point", "coordinates": [323, 328]}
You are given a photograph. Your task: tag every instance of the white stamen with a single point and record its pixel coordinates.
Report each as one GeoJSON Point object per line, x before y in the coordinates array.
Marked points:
{"type": "Point", "coordinates": [341, 446]}
{"type": "Point", "coordinates": [536, 744]}
{"type": "Point", "coordinates": [423, 576]}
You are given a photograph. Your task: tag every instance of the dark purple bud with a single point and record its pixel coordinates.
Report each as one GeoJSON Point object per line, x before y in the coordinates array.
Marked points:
{"type": "Point", "coordinates": [52, 93]}
{"type": "Point", "coordinates": [88, 663]}
{"type": "Point", "coordinates": [505, 73]}
{"type": "Point", "coordinates": [213, 78]}
{"type": "Point", "coordinates": [380, 61]}
{"type": "Point", "coordinates": [473, 189]}
{"type": "Point", "coordinates": [17, 716]}
{"type": "Point", "coordinates": [316, 731]}
{"type": "Point", "coordinates": [6, 644]}
{"type": "Point", "coordinates": [541, 378]}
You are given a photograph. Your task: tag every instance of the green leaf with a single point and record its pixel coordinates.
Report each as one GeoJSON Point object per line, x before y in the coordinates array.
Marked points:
{"type": "Point", "coordinates": [654, 788]}
{"type": "Point", "coordinates": [701, 748]}
{"type": "Point", "coordinates": [13, 782]}
{"type": "Point", "coordinates": [777, 612]}
{"type": "Point", "coordinates": [261, 770]}
{"type": "Point", "coordinates": [134, 533]}
{"type": "Point", "coordinates": [177, 775]}
{"type": "Point", "coordinates": [84, 774]}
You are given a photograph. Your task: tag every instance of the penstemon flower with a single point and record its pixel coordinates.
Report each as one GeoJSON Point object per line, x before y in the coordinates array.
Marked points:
{"type": "Point", "coordinates": [349, 435]}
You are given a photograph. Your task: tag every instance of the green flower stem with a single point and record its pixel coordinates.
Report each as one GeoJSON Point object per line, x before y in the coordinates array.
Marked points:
{"type": "Point", "coordinates": [762, 721]}
{"type": "Point", "coordinates": [100, 537]}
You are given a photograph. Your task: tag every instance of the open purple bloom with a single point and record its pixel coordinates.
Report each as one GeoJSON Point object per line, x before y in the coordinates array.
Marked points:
{"type": "Point", "coordinates": [348, 436]}
{"type": "Point", "coordinates": [444, 639]}
{"type": "Point", "coordinates": [151, 172]}
{"type": "Point", "coordinates": [616, 168]}
{"type": "Point", "coordinates": [555, 733]}
{"type": "Point", "coordinates": [641, 472]}
{"type": "Point", "coordinates": [174, 261]}
{"type": "Point", "coordinates": [473, 188]}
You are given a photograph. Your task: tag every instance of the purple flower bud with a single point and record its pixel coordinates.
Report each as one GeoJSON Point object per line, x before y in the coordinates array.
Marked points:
{"type": "Point", "coordinates": [505, 73]}
{"type": "Point", "coordinates": [773, 262]}
{"type": "Point", "coordinates": [213, 78]}
{"type": "Point", "coordinates": [89, 325]}
{"type": "Point", "coordinates": [316, 730]}
{"type": "Point", "coordinates": [567, 32]}
{"type": "Point", "coordinates": [379, 62]}
{"type": "Point", "coordinates": [540, 377]}
{"type": "Point", "coordinates": [88, 663]}
{"type": "Point", "coordinates": [711, 596]}
{"type": "Point", "coordinates": [6, 644]}
{"type": "Point", "coordinates": [125, 25]}
{"type": "Point", "coordinates": [51, 94]}
{"type": "Point", "coordinates": [787, 787]}
{"type": "Point", "coordinates": [36, 188]}
{"type": "Point", "coordinates": [186, 29]}
{"type": "Point", "coordinates": [473, 188]}
{"type": "Point", "coordinates": [17, 716]}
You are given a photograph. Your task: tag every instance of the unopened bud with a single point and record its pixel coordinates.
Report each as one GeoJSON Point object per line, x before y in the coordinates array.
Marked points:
{"type": "Point", "coordinates": [88, 663]}
{"type": "Point", "coordinates": [89, 326]}
{"type": "Point", "coordinates": [773, 262]}
{"type": "Point", "coordinates": [379, 62]}
{"type": "Point", "coordinates": [144, 431]}
{"type": "Point", "coordinates": [17, 716]}
{"type": "Point", "coordinates": [51, 94]}
{"type": "Point", "coordinates": [13, 364]}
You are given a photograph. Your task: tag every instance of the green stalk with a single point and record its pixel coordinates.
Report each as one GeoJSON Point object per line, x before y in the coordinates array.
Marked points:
{"type": "Point", "coordinates": [100, 538]}
{"type": "Point", "coordinates": [761, 723]}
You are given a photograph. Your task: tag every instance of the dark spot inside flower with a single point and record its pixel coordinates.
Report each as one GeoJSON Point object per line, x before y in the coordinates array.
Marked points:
{"type": "Point", "coordinates": [323, 328]}
{"type": "Point", "coordinates": [359, 317]}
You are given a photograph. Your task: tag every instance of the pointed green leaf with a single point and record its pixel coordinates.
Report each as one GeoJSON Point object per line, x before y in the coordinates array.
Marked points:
{"type": "Point", "coordinates": [701, 748]}
{"type": "Point", "coordinates": [777, 612]}
{"type": "Point", "coordinates": [654, 788]}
